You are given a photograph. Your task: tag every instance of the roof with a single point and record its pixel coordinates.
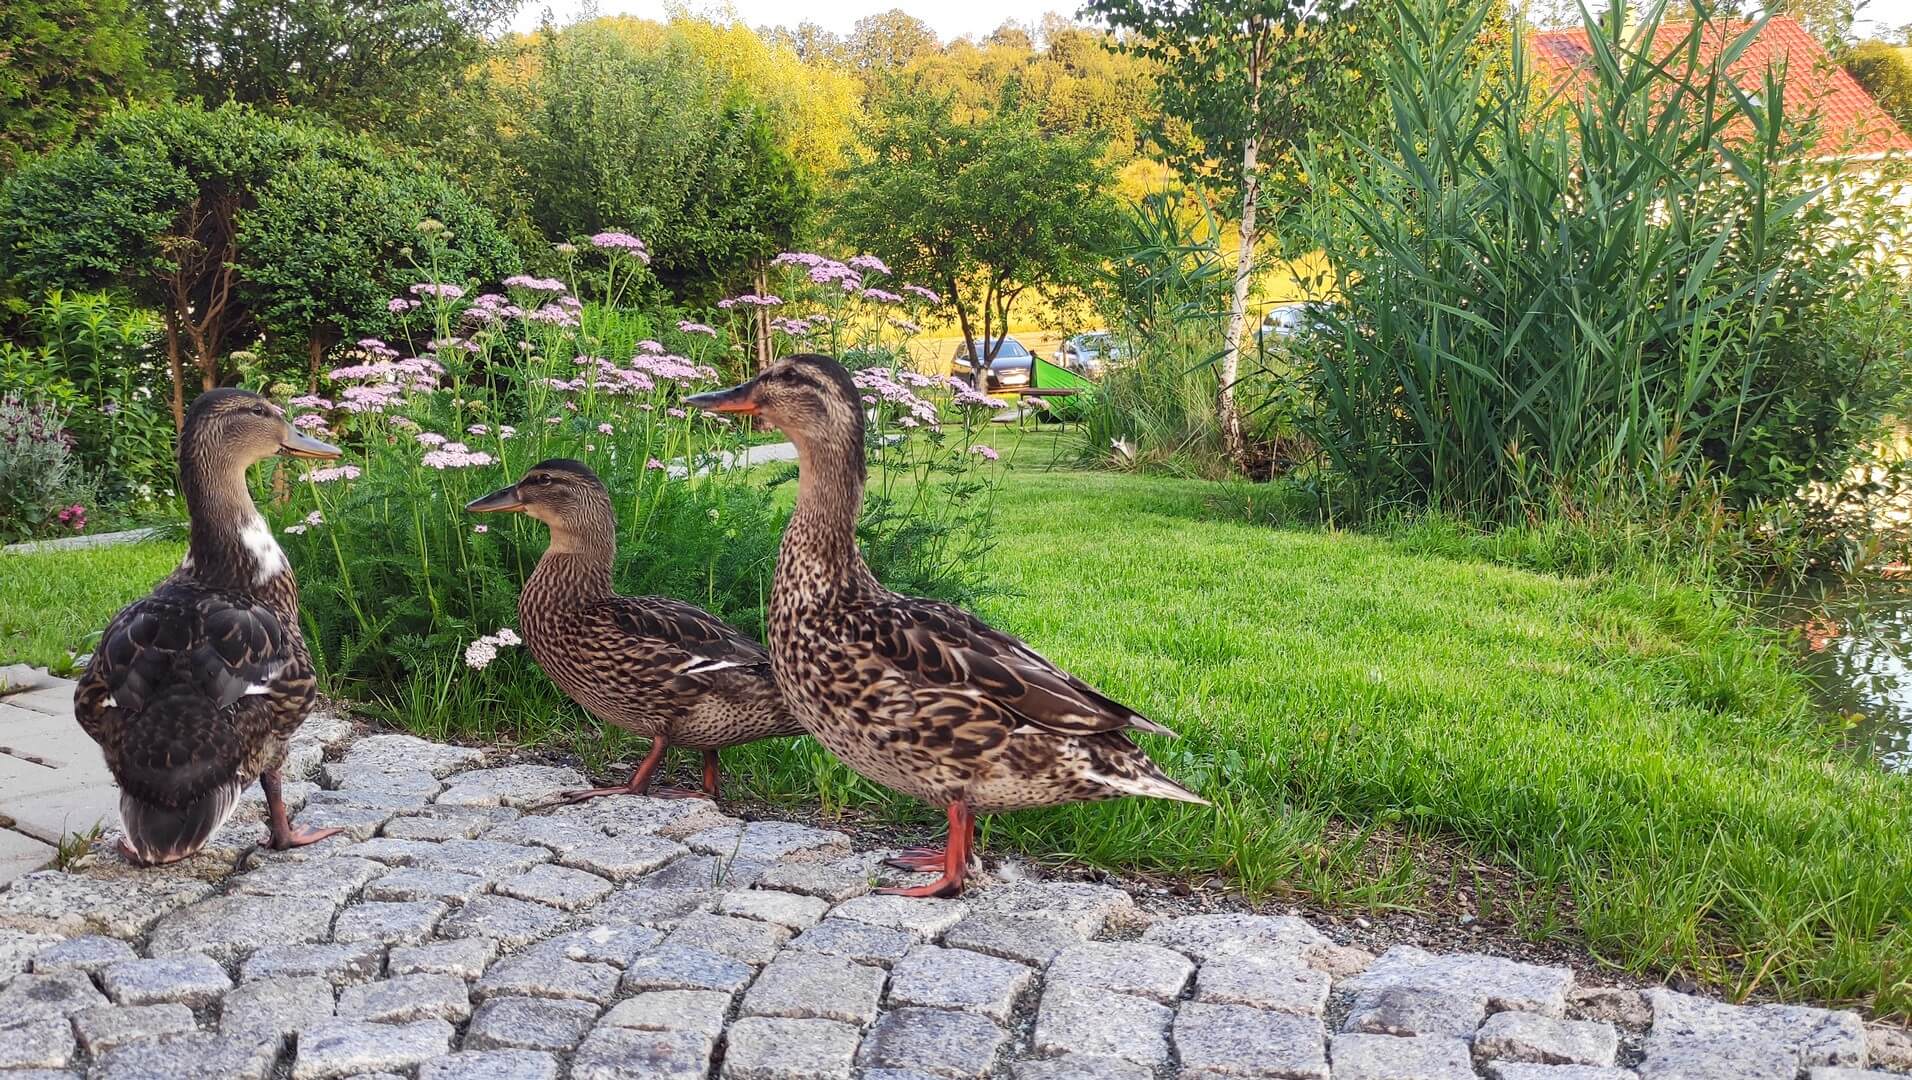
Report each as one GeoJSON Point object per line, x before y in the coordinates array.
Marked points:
{"type": "Point", "coordinates": [1850, 117]}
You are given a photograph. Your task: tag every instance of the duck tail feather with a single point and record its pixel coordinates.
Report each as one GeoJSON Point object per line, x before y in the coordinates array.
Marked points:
{"type": "Point", "coordinates": [158, 834]}
{"type": "Point", "coordinates": [1149, 783]}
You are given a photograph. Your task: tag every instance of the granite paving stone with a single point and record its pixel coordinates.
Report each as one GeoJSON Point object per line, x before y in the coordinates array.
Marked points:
{"type": "Point", "coordinates": [748, 940]}
{"type": "Point", "coordinates": [643, 906]}
{"type": "Point", "coordinates": [557, 886]}
{"type": "Point", "coordinates": [491, 1065]}
{"type": "Point", "coordinates": [437, 822]}
{"type": "Point", "coordinates": [678, 967]}
{"type": "Point", "coordinates": [405, 754]}
{"type": "Point", "coordinates": [1085, 908]}
{"type": "Point", "coordinates": [672, 1010]}
{"type": "Point", "coordinates": [48, 997]}
{"type": "Point", "coordinates": [827, 883]}
{"type": "Point", "coordinates": [626, 816]}
{"type": "Point", "coordinates": [1128, 967]}
{"type": "Point", "coordinates": [389, 922]}
{"type": "Point", "coordinates": [1073, 1020]}
{"type": "Point", "coordinates": [1234, 1040]}
{"type": "Point", "coordinates": [625, 858]}
{"type": "Point", "coordinates": [1080, 1067]}
{"type": "Point", "coordinates": [773, 1048]}
{"type": "Point", "coordinates": [1542, 1040]}
{"type": "Point", "coordinates": [1261, 983]}
{"type": "Point", "coordinates": [334, 1048]}
{"type": "Point", "coordinates": [799, 986]}
{"type": "Point", "coordinates": [1609, 1005]}
{"type": "Point", "coordinates": [934, 977]}
{"type": "Point", "coordinates": [89, 953]}
{"type": "Point", "coordinates": [858, 941]}
{"type": "Point", "coordinates": [537, 975]}
{"type": "Point", "coordinates": [1210, 937]}
{"type": "Point", "coordinates": [197, 1056]}
{"type": "Point", "coordinates": [520, 786]}
{"type": "Point", "coordinates": [404, 998]}
{"type": "Point", "coordinates": [559, 835]}
{"type": "Point", "coordinates": [1397, 1057]}
{"type": "Point", "coordinates": [340, 965]}
{"type": "Point", "coordinates": [18, 948]}
{"type": "Point", "coordinates": [43, 1043]}
{"type": "Point", "coordinates": [615, 1053]}
{"type": "Point", "coordinates": [925, 918]}
{"type": "Point", "coordinates": [276, 1008]}
{"type": "Point", "coordinates": [613, 945]}
{"type": "Point", "coordinates": [411, 883]}
{"type": "Point", "coordinates": [232, 927]}
{"type": "Point", "coordinates": [1519, 1070]}
{"type": "Point", "coordinates": [101, 1029]}
{"type": "Point", "coordinates": [394, 800]}
{"type": "Point", "coordinates": [334, 879]}
{"type": "Point", "coordinates": [705, 872]}
{"type": "Point", "coordinates": [793, 910]}
{"type": "Point", "coordinates": [466, 958]}
{"type": "Point", "coordinates": [1407, 1010]}
{"type": "Point", "coordinates": [510, 922]}
{"type": "Point", "coordinates": [524, 1023]}
{"type": "Point", "coordinates": [958, 1045]}
{"type": "Point", "coordinates": [56, 902]}
{"type": "Point", "coordinates": [189, 980]}
{"type": "Point", "coordinates": [1500, 984]}
{"type": "Point", "coordinates": [357, 822]}
{"type": "Point", "coordinates": [767, 840]}
{"type": "Point", "coordinates": [1024, 938]}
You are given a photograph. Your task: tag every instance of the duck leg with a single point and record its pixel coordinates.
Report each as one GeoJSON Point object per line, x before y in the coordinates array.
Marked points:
{"type": "Point", "coordinates": [712, 774]}
{"type": "Point", "coordinates": [640, 782]}
{"type": "Point", "coordinates": [283, 835]}
{"type": "Point", "coordinates": [955, 861]}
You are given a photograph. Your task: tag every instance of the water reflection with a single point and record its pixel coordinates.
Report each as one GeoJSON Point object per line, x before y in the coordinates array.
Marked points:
{"type": "Point", "coordinates": [1858, 648]}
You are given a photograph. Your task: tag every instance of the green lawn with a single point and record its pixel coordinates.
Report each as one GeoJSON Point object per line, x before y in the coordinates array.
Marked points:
{"type": "Point", "coordinates": [1642, 772]}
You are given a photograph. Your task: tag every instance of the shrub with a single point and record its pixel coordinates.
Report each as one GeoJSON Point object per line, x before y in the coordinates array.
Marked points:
{"type": "Point", "coordinates": [41, 485]}
{"type": "Point", "coordinates": [398, 582]}
{"type": "Point", "coordinates": [1642, 295]}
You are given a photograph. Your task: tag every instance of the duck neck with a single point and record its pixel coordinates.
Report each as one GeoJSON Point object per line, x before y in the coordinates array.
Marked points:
{"type": "Point", "coordinates": [576, 568]}
{"type": "Point", "coordinates": [822, 532]}
{"type": "Point", "coordinates": [230, 545]}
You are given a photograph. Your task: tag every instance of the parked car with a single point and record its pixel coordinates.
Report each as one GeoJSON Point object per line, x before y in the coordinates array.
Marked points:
{"type": "Point", "coordinates": [1088, 353]}
{"type": "Point", "coordinates": [1287, 320]}
{"type": "Point", "coordinates": [1012, 366]}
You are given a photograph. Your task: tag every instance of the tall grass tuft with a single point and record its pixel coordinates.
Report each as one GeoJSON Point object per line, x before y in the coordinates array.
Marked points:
{"type": "Point", "coordinates": [1644, 291]}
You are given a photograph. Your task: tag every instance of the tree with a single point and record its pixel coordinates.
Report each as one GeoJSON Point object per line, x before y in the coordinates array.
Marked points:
{"type": "Point", "coordinates": [1886, 73]}
{"type": "Point", "coordinates": [66, 63]}
{"type": "Point", "coordinates": [362, 63]}
{"type": "Point", "coordinates": [885, 43]}
{"type": "Point", "coordinates": [987, 209]}
{"type": "Point", "coordinates": [1250, 79]}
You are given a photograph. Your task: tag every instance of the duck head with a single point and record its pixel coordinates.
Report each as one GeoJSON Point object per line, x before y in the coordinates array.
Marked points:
{"type": "Point", "coordinates": [241, 428]}
{"type": "Point", "coordinates": [564, 494]}
{"type": "Point", "coordinates": [809, 398]}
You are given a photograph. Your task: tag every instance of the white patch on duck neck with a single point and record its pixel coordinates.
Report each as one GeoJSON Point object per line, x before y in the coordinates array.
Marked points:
{"type": "Point", "coordinates": [268, 558]}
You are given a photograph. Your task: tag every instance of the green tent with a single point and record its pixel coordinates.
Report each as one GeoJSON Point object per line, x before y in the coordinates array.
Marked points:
{"type": "Point", "coordinates": [1050, 377]}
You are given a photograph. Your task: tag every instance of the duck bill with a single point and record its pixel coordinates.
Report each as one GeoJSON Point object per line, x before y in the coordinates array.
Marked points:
{"type": "Point", "coordinates": [503, 500]}
{"type": "Point", "coordinates": [293, 444]}
{"type": "Point", "coordinates": [737, 399]}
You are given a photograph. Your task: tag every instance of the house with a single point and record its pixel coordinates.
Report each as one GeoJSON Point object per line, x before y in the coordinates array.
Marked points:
{"type": "Point", "coordinates": [1853, 125]}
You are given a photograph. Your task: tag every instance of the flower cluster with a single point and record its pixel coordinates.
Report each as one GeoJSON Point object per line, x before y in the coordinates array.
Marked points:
{"type": "Point", "coordinates": [622, 241]}
{"type": "Point", "coordinates": [73, 517]}
{"type": "Point", "coordinates": [968, 397]}
{"type": "Point", "coordinates": [454, 455]}
{"type": "Point", "coordinates": [749, 300]}
{"type": "Point", "coordinates": [688, 327]}
{"type": "Point", "coordinates": [312, 520]}
{"type": "Point", "coordinates": [443, 292]}
{"type": "Point", "coordinates": [889, 387]}
{"type": "Point", "coordinates": [330, 473]}
{"type": "Point", "coordinates": [535, 284]}
{"type": "Point", "coordinates": [479, 654]}
{"type": "Point", "coordinates": [921, 293]}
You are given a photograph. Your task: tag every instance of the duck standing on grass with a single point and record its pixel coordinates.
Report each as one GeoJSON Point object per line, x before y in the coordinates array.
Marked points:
{"type": "Point", "coordinates": [918, 695]}
{"type": "Point", "coordinates": [655, 666]}
{"type": "Point", "coordinates": [195, 690]}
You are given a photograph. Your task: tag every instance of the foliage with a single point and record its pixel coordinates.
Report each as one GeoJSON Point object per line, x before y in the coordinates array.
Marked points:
{"type": "Point", "coordinates": [40, 482]}
{"type": "Point", "coordinates": [616, 133]}
{"type": "Point", "coordinates": [1886, 73]}
{"type": "Point", "coordinates": [68, 63]}
{"type": "Point", "coordinates": [397, 581]}
{"type": "Point", "coordinates": [984, 209]}
{"type": "Point", "coordinates": [359, 64]}
{"type": "Point", "coordinates": [99, 361]}
{"type": "Point", "coordinates": [1648, 291]}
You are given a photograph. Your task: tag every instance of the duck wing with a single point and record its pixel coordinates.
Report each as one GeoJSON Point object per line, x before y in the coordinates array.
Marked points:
{"type": "Point", "coordinates": [168, 694]}
{"type": "Point", "coordinates": [938, 646]}
{"type": "Point", "coordinates": [684, 643]}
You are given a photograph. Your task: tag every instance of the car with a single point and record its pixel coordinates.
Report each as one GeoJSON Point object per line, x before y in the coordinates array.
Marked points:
{"type": "Point", "coordinates": [1088, 353]}
{"type": "Point", "coordinates": [1012, 367]}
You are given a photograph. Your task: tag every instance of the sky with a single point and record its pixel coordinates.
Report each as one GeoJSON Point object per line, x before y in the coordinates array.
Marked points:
{"type": "Point", "coordinates": [1884, 17]}
{"type": "Point", "coordinates": [950, 19]}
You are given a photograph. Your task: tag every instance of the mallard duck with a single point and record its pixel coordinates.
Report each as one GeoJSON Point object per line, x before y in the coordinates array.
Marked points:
{"type": "Point", "coordinates": [658, 667]}
{"type": "Point", "coordinates": [195, 689]}
{"type": "Point", "coordinates": [916, 694]}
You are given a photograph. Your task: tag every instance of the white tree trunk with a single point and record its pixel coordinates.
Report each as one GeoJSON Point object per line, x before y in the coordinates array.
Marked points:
{"type": "Point", "coordinates": [1234, 440]}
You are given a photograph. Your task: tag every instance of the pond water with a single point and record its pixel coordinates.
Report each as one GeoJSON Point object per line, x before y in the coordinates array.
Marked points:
{"type": "Point", "coordinates": [1857, 645]}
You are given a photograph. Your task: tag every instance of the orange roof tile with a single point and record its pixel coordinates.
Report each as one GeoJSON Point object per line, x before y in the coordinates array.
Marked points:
{"type": "Point", "coordinates": [1848, 115]}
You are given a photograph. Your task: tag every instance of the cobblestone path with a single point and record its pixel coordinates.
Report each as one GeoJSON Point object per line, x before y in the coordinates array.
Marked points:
{"type": "Point", "coordinates": [458, 931]}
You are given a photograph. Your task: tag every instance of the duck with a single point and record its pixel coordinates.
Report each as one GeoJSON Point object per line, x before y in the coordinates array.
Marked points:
{"type": "Point", "coordinates": [658, 667]}
{"type": "Point", "coordinates": [196, 688]}
{"type": "Point", "coordinates": [915, 694]}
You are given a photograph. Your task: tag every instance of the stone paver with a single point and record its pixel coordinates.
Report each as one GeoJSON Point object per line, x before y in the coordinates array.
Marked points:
{"type": "Point", "coordinates": [467, 930]}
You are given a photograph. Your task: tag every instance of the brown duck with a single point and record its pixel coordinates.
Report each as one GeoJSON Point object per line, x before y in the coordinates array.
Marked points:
{"type": "Point", "coordinates": [915, 694]}
{"type": "Point", "coordinates": [194, 690]}
{"type": "Point", "coordinates": [658, 667]}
